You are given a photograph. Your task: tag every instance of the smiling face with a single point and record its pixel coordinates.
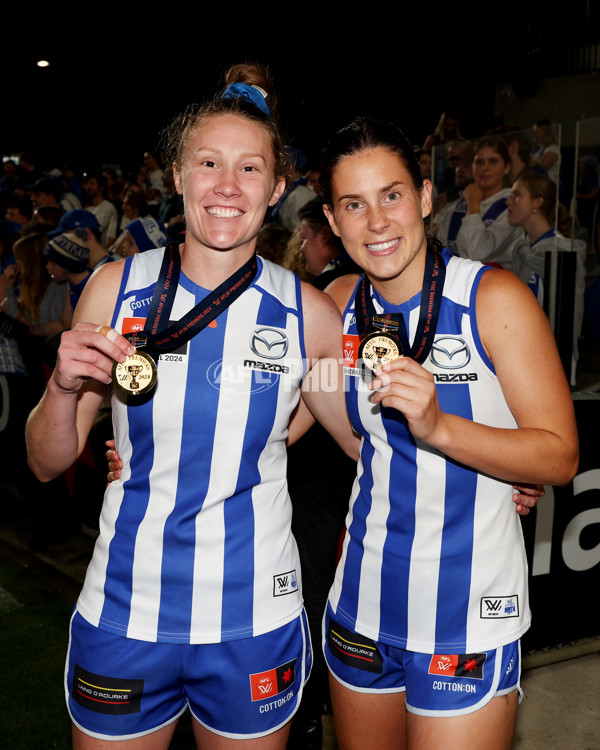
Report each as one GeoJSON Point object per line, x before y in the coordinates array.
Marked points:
{"type": "Point", "coordinates": [489, 170]}
{"type": "Point", "coordinates": [227, 179]}
{"type": "Point", "coordinates": [378, 213]}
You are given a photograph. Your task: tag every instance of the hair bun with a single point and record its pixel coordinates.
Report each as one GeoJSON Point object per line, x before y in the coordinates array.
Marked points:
{"type": "Point", "coordinates": [256, 75]}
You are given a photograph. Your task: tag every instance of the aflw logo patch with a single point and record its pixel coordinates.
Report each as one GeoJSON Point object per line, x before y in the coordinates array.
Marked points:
{"type": "Point", "coordinates": [285, 583]}
{"type": "Point", "coordinates": [273, 681]}
{"type": "Point", "coordinates": [458, 665]}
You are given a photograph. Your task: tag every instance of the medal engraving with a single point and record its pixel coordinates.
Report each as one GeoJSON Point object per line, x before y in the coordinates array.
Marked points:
{"type": "Point", "coordinates": [135, 376]}
{"type": "Point", "coordinates": [379, 347]}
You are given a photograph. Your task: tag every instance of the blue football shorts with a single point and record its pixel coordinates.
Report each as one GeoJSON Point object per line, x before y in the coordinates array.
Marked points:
{"type": "Point", "coordinates": [121, 688]}
{"type": "Point", "coordinates": [435, 684]}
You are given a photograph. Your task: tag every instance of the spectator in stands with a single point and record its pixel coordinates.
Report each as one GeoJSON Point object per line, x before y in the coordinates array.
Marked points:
{"type": "Point", "coordinates": [272, 242]}
{"type": "Point", "coordinates": [297, 193]}
{"type": "Point", "coordinates": [293, 257]}
{"type": "Point", "coordinates": [45, 192]}
{"type": "Point", "coordinates": [447, 222]}
{"type": "Point", "coordinates": [67, 261]}
{"type": "Point", "coordinates": [103, 209]}
{"type": "Point", "coordinates": [68, 199]}
{"type": "Point", "coordinates": [546, 151]}
{"type": "Point", "coordinates": [424, 159]}
{"type": "Point", "coordinates": [9, 182]}
{"type": "Point", "coordinates": [532, 206]}
{"type": "Point", "coordinates": [153, 185]}
{"type": "Point", "coordinates": [19, 210]}
{"type": "Point", "coordinates": [312, 176]}
{"type": "Point", "coordinates": [134, 206]}
{"type": "Point", "coordinates": [485, 233]}
{"type": "Point", "coordinates": [90, 233]}
{"type": "Point", "coordinates": [171, 206]}
{"type": "Point", "coordinates": [138, 236]}
{"type": "Point", "coordinates": [44, 219]}
{"type": "Point", "coordinates": [521, 158]}
{"type": "Point", "coordinates": [325, 256]}
{"type": "Point", "coordinates": [446, 130]}
{"type": "Point", "coordinates": [36, 298]}
{"type": "Point", "coordinates": [28, 169]}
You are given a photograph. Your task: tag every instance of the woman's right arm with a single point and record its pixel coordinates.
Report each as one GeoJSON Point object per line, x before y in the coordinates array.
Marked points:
{"type": "Point", "coordinates": [58, 427]}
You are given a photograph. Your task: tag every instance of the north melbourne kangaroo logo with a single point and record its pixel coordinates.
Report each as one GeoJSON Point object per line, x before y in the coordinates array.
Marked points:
{"type": "Point", "coordinates": [450, 353]}
{"type": "Point", "coordinates": [269, 343]}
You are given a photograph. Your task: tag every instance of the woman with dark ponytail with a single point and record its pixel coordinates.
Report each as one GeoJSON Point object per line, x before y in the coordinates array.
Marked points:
{"type": "Point", "coordinates": [442, 381]}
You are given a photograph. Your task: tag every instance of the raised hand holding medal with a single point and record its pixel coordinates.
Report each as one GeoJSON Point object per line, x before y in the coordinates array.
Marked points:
{"type": "Point", "coordinates": [380, 345]}
{"type": "Point", "coordinates": [138, 374]}
{"type": "Point", "coordinates": [384, 336]}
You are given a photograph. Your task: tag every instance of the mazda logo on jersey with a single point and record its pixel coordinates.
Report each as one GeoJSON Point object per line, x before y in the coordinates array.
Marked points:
{"type": "Point", "coordinates": [269, 343]}
{"type": "Point", "coordinates": [450, 353]}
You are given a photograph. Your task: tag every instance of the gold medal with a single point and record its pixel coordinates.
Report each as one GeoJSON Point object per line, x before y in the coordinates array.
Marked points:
{"type": "Point", "coordinates": [137, 375]}
{"type": "Point", "coordinates": [379, 347]}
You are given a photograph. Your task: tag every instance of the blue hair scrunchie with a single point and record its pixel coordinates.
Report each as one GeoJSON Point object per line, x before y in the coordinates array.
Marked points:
{"type": "Point", "coordinates": [251, 94]}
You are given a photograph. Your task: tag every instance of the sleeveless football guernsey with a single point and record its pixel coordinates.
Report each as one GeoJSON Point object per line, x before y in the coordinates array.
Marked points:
{"type": "Point", "coordinates": [434, 559]}
{"type": "Point", "coordinates": [195, 543]}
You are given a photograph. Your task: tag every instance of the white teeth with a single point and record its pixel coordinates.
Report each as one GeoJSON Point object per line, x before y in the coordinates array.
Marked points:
{"type": "Point", "coordinates": [382, 245]}
{"type": "Point", "coordinates": [224, 213]}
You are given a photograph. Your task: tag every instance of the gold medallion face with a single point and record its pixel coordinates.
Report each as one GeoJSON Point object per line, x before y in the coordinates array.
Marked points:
{"type": "Point", "coordinates": [136, 376]}
{"type": "Point", "coordinates": [377, 348]}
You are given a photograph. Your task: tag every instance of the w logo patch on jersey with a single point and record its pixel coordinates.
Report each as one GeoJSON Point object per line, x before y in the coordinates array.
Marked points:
{"type": "Point", "coordinates": [285, 583]}
{"type": "Point", "coordinates": [458, 665]}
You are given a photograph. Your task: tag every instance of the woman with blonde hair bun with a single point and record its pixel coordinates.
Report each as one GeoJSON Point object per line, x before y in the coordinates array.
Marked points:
{"type": "Point", "coordinates": [193, 595]}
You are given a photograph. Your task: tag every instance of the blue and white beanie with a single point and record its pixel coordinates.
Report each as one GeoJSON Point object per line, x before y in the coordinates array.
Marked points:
{"type": "Point", "coordinates": [147, 233]}
{"type": "Point", "coordinates": [68, 251]}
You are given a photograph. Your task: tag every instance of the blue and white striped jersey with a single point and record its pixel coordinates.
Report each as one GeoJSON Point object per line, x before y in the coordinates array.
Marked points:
{"type": "Point", "coordinates": [195, 542]}
{"type": "Point", "coordinates": [434, 559]}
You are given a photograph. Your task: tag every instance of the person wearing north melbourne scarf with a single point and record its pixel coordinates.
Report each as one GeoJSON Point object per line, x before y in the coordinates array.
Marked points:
{"type": "Point", "coordinates": [193, 595]}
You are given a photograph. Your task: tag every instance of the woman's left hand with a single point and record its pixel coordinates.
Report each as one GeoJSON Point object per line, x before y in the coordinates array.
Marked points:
{"type": "Point", "coordinates": [406, 386]}
{"type": "Point", "coordinates": [526, 496]}
{"type": "Point", "coordinates": [114, 461]}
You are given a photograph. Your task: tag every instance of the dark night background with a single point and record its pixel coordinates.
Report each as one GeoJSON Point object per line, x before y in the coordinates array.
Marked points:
{"type": "Point", "coordinates": [117, 76]}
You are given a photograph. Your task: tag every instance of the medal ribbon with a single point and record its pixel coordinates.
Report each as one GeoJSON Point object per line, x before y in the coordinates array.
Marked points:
{"type": "Point", "coordinates": [168, 338]}
{"type": "Point", "coordinates": [431, 298]}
